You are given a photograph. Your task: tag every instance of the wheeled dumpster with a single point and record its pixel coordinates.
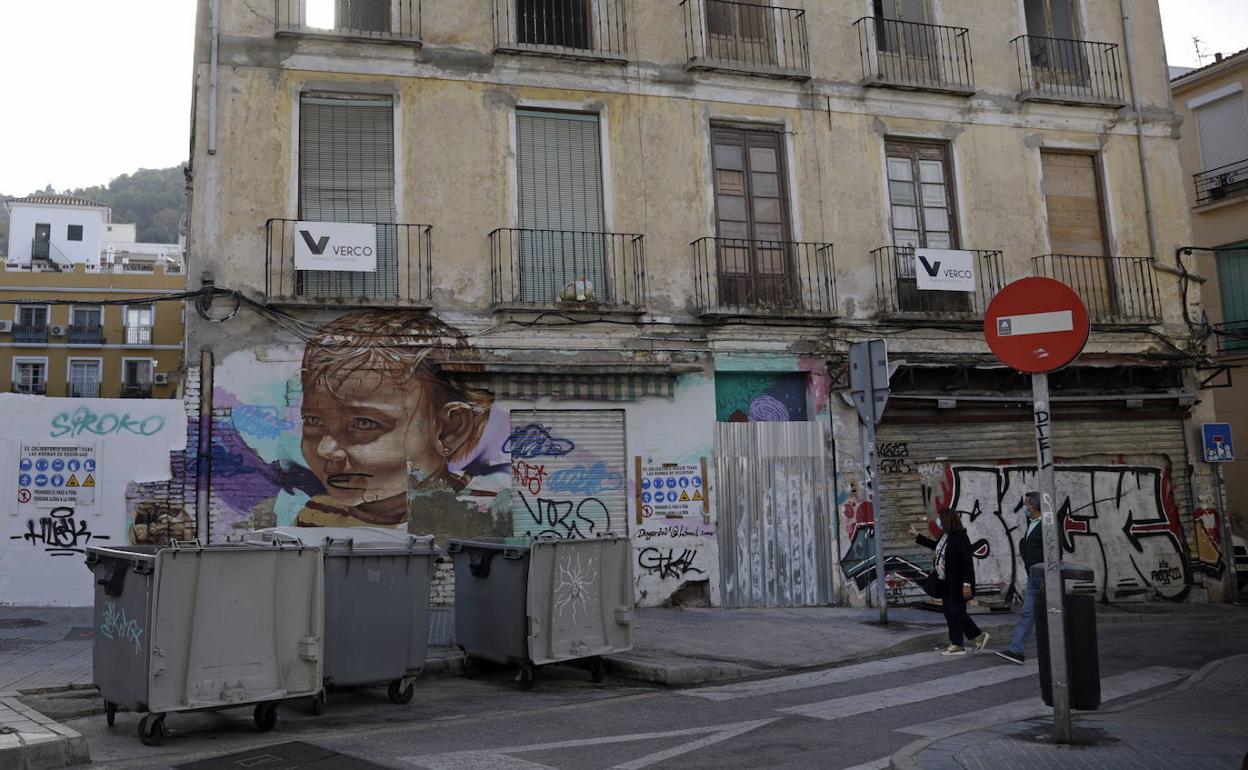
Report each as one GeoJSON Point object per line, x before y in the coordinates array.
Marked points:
{"type": "Point", "coordinates": [530, 603]}
{"type": "Point", "coordinates": [376, 604]}
{"type": "Point", "coordinates": [191, 628]}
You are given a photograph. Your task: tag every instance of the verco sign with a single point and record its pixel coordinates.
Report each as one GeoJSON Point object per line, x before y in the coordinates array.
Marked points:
{"type": "Point", "coordinates": [945, 270]}
{"type": "Point", "coordinates": [336, 246]}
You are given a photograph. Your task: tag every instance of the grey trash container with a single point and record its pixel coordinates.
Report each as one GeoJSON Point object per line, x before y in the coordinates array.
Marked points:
{"type": "Point", "coordinates": [183, 628]}
{"type": "Point", "coordinates": [376, 605]}
{"type": "Point", "coordinates": [1083, 660]}
{"type": "Point", "coordinates": [530, 603]}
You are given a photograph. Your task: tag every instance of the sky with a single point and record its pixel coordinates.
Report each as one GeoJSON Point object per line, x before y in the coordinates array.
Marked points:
{"type": "Point", "coordinates": [97, 88]}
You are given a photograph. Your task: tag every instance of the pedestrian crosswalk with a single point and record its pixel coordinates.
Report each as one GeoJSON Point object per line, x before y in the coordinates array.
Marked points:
{"type": "Point", "coordinates": [813, 679]}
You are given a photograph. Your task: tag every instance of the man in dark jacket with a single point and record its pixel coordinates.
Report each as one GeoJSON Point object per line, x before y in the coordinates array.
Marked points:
{"type": "Point", "coordinates": [1032, 548]}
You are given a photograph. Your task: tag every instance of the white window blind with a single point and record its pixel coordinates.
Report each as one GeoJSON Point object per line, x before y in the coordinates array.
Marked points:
{"type": "Point", "coordinates": [1223, 127]}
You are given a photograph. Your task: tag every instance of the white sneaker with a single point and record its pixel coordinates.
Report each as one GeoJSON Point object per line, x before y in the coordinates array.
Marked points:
{"type": "Point", "coordinates": [981, 641]}
{"type": "Point", "coordinates": [953, 651]}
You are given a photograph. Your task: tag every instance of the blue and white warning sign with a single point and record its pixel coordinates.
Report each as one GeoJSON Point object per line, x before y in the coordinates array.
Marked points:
{"type": "Point", "coordinates": [678, 491]}
{"type": "Point", "coordinates": [64, 476]}
{"type": "Point", "coordinates": [1218, 445]}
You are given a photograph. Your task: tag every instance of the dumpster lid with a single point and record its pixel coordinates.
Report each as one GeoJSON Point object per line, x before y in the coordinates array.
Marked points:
{"type": "Point", "coordinates": [1070, 571]}
{"type": "Point", "coordinates": [515, 544]}
{"type": "Point", "coordinates": [347, 539]}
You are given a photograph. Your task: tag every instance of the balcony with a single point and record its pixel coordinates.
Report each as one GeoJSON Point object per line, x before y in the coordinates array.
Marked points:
{"type": "Point", "coordinates": [1219, 184]}
{"type": "Point", "coordinates": [82, 390]}
{"type": "Point", "coordinates": [403, 277]}
{"type": "Point", "coordinates": [138, 335]}
{"type": "Point", "coordinates": [899, 295]}
{"type": "Point", "coordinates": [746, 38]}
{"type": "Point", "coordinates": [568, 269]}
{"type": "Point", "coordinates": [576, 29]}
{"type": "Point", "coordinates": [915, 57]}
{"type": "Point", "coordinates": [30, 388]}
{"type": "Point", "coordinates": [30, 334]}
{"type": "Point", "coordinates": [735, 277]}
{"type": "Point", "coordinates": [1118, 291]}
{"type": "Point", "coordinates": [136, 390]}
{"type": "Point", "coordinates": [379, 21]}
{"type": "Point", "coordinates": [1062, 71]}
{"type": "Point", "coordinates": [1232, 337]}
{"type": "Point", "coordinates": [88, 334]}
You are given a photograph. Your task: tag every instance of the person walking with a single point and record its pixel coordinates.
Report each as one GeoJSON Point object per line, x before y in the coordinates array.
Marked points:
{"type": "Point", "coordinates": [954, 568]}
{"type": "Point", "coordinates": [1032, 548]}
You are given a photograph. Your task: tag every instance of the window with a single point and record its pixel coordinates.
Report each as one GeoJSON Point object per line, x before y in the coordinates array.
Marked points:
{"type": "Point", "coordinates": [30, 376]}
{"type": "Point", "coordinates": [559, 175]}
{"type": "Point", "coordinates": [74, 233]}
{"type": "Point", "coordinates": [1051, 18]}
{"type": "Point", "coordinates": [349, 15]}
{"type": "Point", "coordinates": [1223, 128]}
{"type": "Point", "coordinates": [346, 174]}
{"type": "Point", "coordinates": [1054, 46]}
{"type": "Point", "coordinates": [741, 31]}
{"type": "Point", "coordinates": [87, 317]}
{"type": "Point", "coordinates": [136, 377]}
{"type": "Point", "coordinates": [898, 27]}
{"type": "Point", "coordinates": [1072, 197]}
{"type": "Point", "coordinates": [558, 23]}
{"type": "Point", "coordinates": [752, 218]}
{"type": "Point", "coordinates": [32, 316]}
{"type": "Point", "coordinates": [139, 325]}
{"type": "Point", "coordinates": [1233, 286]}
{"type": "Point", "coordinates": [84, 378]}
{"type": "Point", "coordinates": [922, 216]}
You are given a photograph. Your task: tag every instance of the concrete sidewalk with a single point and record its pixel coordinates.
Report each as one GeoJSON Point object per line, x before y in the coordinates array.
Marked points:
{"type": "Point", "coordinates": [1201, 723]}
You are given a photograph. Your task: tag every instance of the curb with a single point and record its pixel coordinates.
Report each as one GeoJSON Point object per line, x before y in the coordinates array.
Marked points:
{"type": "Point", "coordinates": [906, 758]}
{"type": "Point", "coordinates": [58, 747]}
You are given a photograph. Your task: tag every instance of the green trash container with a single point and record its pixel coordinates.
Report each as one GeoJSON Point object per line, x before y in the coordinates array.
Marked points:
{"type": "Point", "coordinates": [530, 603]}
{"type": "Point", "coordinates": [184, 628]}
{"type": "Point", "coordinates": [1083, 662]}
{"type": "Point", "coordinates": [376, 604]}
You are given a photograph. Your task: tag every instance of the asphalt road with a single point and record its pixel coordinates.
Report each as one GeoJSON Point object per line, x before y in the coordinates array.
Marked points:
{"type": "Point", "coordinates": [852, 717]}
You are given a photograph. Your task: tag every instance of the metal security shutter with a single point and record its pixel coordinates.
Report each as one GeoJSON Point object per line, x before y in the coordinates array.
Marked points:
{"type": "Point", "coordinates": [346, 174]}
{"type": "Point", "coordinates": [1223, 132]}
{"type": "Point", "coordinates": [568, 473]}
{"type": "Point", "coordinates": [559, 175]}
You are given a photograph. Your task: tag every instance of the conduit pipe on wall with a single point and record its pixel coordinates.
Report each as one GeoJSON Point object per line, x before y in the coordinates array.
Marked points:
{"type": "Point", "coordinates": [215, 6]}
{"type": "Point", "coordinates": [1139, 131]}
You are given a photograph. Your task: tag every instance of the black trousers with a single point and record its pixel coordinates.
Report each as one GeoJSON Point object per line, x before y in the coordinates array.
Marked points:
{"type": "Point", "coordinates": [961, 627]}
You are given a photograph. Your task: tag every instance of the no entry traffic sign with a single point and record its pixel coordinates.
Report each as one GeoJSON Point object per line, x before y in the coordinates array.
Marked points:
{"type": "Point", "coordinates": [1036, 325]}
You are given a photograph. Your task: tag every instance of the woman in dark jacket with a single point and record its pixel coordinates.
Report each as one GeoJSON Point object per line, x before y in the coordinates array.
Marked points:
{"type": "Point", "coordinates": [953, 566]}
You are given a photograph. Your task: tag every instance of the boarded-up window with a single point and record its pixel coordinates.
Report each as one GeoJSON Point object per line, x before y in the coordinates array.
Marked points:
{"type": "Point", "coordinates": [568, 473]}
{"type": "Point", "coordinates": [752, 216]}
{"type": "Point", "coordinates": [346, 174]}
{"type": "Point", "coordinates": [1223, 127]}
{"type": "Point", "coordinates": [741, 31]}
{"type": "Point", "coordinates": [1073, 199]}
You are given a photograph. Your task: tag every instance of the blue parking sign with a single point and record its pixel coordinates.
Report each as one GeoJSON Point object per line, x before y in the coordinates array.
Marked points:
{"type": "Point", "coordinates": [1218, 446]}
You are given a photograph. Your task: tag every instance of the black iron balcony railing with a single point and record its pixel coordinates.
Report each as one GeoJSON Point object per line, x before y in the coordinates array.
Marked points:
{"type": "Point", "coordinates": [86, 334]}
{"type": "Point", "coordinates": [82, 390]}
{"type": "Point", "coordinates": [585, 29]}
{"type": "Point", "coordinates": [404, 274]}
{"type": "Point", "coordinates": [385, 21]}
{"type": "Point", "coordinates": [1232, 337]}
{"type": "Point", "coordinates": [30, 334]}
{"type": "Point", "coordinates": [136, 390]}
{"type": "Point", "coordinates": [913, 56]}
{"type": "Point", "coordinates": [1116, 290]}
{"type": "Point", "coordinates": [568, 268]}
{"type": "Point", "coordinates": [1052, 69]}
{"type": "Point", "coordinates": [30, 388]}
{"type": "Point", "coordinates": [897, 284]}
{"type": "Point", "coordinates": [1222, 182]}
{"type": "Point", "coordinates": [746, 38]}
{"type": "Point", "coordinates": [733, 276]}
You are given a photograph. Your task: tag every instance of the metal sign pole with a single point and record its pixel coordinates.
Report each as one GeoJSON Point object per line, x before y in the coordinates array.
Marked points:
{"type": "Point", "coordinates": [1228, 545]}
{"type": "Point", "coordinates": [1053, 588]}
{"type": "Point", "coordinates": [869, 467]}
{"type": "Point", "coordinates": [868, 377]}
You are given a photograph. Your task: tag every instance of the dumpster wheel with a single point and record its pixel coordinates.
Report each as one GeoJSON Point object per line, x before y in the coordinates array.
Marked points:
{"type": "Point", "coordinates": [318, 703]}
{"type": "Point", "coordinates": [527, 677]}
{"type": "Point", "coordinates": [597, 669]}
{"type": "Point", "coordinates": [152, 729]}
{"type": "Point", "coordinates": [110, 713]}
{"type": "Point", "coordinates": [471, 667]}
{"type": "Point", "coordinates": [400, 691]}
{"type": "Point", "coordinates": [265, 716]}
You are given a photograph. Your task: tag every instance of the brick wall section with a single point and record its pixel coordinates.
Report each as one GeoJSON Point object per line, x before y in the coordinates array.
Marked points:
{"type": "Point", "coordinates": [443, 584]}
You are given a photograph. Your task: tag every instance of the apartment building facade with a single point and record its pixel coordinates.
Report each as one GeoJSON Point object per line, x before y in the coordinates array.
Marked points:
{"type": "Point", "coordinates": [569, 267]}
{"type": "Point", "coordinates": [82, 316]}
{"type": "Point", "coordinates": [1214, 151]}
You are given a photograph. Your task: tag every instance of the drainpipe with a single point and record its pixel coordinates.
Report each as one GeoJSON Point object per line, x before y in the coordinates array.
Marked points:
{"type": "Point", "coordinates": [1139, 132]}
{"type": "Point", "coordinates": [215, 10]}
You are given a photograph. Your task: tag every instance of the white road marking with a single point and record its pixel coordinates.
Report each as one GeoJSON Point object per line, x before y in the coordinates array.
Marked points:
{"type": "Point", "coordinates": [883, 763]}
{"type": "Point", "coordinates": [779, 684]}
{"type": "Point", "coordinates": [499, 759]}
{"type": "Point", "coordinates": [1112, 688]}
{"type": "Point", "coordinates": [852, 705]}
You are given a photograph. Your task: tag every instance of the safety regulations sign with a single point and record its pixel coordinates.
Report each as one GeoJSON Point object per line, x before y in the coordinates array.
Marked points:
{"type": "Point", "coordinates": [57, 475]}
{"type": "Point", "coordinates": [672, 491]}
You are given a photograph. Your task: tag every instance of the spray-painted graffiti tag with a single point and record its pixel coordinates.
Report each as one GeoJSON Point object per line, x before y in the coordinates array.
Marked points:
{"type": "Point", "coordinates": [85, 420]}
{"type": "Point", "coordinates": [668, 563]}
{"type": "Point", "coordinates": [534, 440]}
{"type": "Point", "coordinates": [59, 533]}
{"type": "Point", "coordinates": [117, 626]}
{"type": "Point", "coordinates": [565, 519]}
{"type": "Point", "coordinates": [586, 480]}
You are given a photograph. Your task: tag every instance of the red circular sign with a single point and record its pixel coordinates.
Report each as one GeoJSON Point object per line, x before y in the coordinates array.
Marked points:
{"type": "Point", "coordinates": [1036, 325]}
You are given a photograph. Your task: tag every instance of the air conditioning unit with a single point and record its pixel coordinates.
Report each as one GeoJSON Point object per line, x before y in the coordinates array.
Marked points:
{"type": "Point", "coordinates": [6, 327]}
{"type": "Point", "coordinates": [58, 331]}
{"type": "Point", "coordinates": [161, 378]}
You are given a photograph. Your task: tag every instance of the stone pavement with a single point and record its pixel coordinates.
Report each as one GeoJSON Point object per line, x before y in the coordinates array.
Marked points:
{"type": "Point", "coordinates": [1203, 723]}
{"type": "Point", "coordinates": [31, 741]}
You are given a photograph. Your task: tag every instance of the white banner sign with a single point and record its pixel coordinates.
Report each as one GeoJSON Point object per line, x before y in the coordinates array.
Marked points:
{"type": "Point", "coordinates": [945, 270]}
{"type": "Point", "coordinates": [336, 246]}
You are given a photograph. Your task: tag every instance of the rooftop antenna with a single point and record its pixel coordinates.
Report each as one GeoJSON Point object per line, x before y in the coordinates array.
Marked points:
{"type": "Point", "coordinates": [1200, 54]}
